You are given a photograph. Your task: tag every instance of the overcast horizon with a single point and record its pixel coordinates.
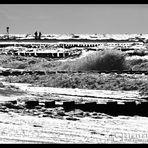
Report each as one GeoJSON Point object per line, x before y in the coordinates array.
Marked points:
{"type": "Point", "coordinates": [74, 18]}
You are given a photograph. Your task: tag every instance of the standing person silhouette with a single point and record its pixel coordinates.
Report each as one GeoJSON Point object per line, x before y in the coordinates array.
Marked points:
{"type": "Point", "coordinates": [40, 34]}
{"type": "Point", "coordinates": [7, 28]}
{"type": "Point", "coordinates": [36, 35]}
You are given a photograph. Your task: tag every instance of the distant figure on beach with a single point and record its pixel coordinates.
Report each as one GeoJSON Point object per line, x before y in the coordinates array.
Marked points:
{"type": "Point", "coordinates": [40, 34]}
{"type": "Point", "coordinates": [7, 28]}
{"type": "Point", "coordinates": [36, 35]}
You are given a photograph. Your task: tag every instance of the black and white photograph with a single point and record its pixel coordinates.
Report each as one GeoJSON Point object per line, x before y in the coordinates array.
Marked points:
{"type": "Point", "coordinates": [73, 73]}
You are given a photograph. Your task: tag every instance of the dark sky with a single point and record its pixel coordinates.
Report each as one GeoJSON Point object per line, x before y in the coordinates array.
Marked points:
{"type": "Point", "coordinates": [74, 18]}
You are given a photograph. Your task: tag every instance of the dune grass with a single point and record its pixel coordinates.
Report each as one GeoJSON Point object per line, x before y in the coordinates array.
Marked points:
{"type": "Point", "coordinates": [97, 60]}
{"type": "Point", "coordinates": [83, 81]}
{"type": "Point", "coordinates": [137, 64]}
{"type": "Point", "coordinates": [30, 63]}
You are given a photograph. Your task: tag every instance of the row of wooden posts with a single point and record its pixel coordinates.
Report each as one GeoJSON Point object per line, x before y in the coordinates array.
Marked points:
{"type": "Point", "coordinates": [41, 54]}
{"type": "Point", "coordinates": [22, 72]}
{"type": "Point", "coordinates": [62, 54]}
{"type": "Point", "coordinates": [113, 108]}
